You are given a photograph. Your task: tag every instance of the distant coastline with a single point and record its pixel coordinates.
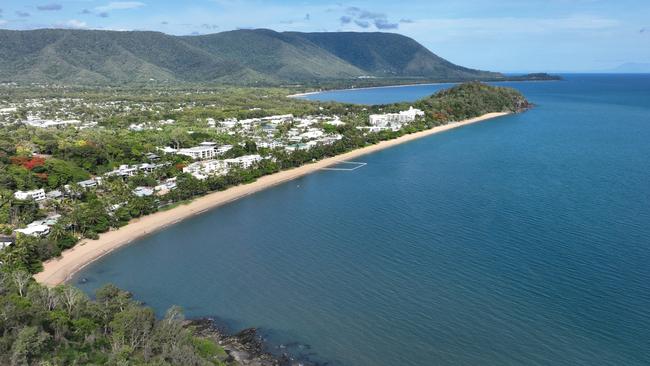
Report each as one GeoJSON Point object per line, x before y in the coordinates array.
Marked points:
{"type": "Point", "coordinates": [514, 79]}
{"type": "Point", "coordinates": [59, 270]}
{"type": "Point", "coordinates": [299, 95]}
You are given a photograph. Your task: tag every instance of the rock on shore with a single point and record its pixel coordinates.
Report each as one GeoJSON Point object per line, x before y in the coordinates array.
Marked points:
{"type": "Point", "coordinates": [246, 347]}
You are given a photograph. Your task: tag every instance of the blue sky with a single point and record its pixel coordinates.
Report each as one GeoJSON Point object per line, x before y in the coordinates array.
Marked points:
{"type": "Point", "coordinates": [499, 35]}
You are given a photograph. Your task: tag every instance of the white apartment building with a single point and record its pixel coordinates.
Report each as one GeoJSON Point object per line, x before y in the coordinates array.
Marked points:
{"type": "Point", "coordinates": [131, 170]}
{"type": "Point", "coordinates": [36, 195]}
{"type": "Point", "coordinates": [394, 121]}
{"type": "Point", "coordinates": [203, 169]}
{"type": "Point", "coordinates": [205, 150]}
{"type": "Point", "coordinates": [223, 149]}
{"type": "Point", "coordinates": [243, 162]}
{"type": "Point", "coordinates": [198, 152]}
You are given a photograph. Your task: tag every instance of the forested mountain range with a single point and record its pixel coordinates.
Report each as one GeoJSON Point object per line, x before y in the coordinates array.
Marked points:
{"type": "Point", "coordinates": [245, 57]}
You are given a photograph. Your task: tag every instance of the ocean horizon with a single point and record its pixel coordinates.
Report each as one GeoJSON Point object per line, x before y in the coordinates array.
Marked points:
{"type": "Point", "coordinates": [520, 240]}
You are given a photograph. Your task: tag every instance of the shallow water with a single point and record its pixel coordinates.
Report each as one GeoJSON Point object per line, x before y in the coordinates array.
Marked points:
{"type": "Point", "coordinates": [518, 241]}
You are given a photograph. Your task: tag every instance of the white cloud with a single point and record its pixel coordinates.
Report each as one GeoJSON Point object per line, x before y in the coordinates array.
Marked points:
{"type": "Point", "coordinates": [73, 24]}
{"type": "Point", "coordinates": [2, 22]}
{"type": "Point", "coordinates": [120, 5]}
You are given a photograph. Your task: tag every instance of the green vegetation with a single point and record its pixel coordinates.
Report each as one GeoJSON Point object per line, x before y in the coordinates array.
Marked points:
{"type": "Point", "coordinates": [391, 55]}
{"type": "Point", "coordinates": [244, 57]}
{"type": "Point", "coordinates": [472, 100]}
{"type": "Point", "coordinates": [62, 326]}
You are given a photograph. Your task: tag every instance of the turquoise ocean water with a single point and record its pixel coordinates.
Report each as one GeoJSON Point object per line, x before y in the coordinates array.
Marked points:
{"type": "Point", "coordinates": [523, 240]}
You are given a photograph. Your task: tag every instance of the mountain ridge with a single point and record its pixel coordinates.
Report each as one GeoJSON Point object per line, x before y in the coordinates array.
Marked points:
{"type": "Point", "coordinates": [258, 56]}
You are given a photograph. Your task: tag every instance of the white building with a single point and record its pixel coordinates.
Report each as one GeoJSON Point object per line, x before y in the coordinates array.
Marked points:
{"type": "Point", "coordinates": [243, 162]}
{"type": "Point", "coordinates": [229, 123]}
{"type": "Point", "coordinates": [206, 150]}
{"type": "Point", "coordinates": [223, 149]}
{"type": "Point", "coordinates": [36, 195]}
{"type": "Point", "coordinates": [137, 127]}
{"type": "Point", "coordinates": [335, 122]}
{"type": "Point", "coordinates": [34, 230]}
{"type": "Point", "coordinates": [394, 121]}
{"type": "Point", "coordinates": [168, 150]}
{"type": "Point", "coordinates": [46, 123]}
{"type": "Point", "coordinates": [203, 169]}
{"type": "Point", "coordinates": [8, 110]}
{"type": "Point", "coordinates": [273, 144]}
{"type": "Point", "coordinates": [55, 194]}
{"type": "Point", "coordinates": [164, 188]}
{"type": "Point", "coordinates": [40, 227]}
{"type": "Point", "coordinates": [131, 170]}
{"type": "Point", "coordinates": [90, 183]}
{"type": "Point", "coordinates": [295, 147]}
{"type": "Point", "coordinates": [198, 152]}
{"type": "Point", "coordinates": [143, 191]}
{"type": "Point", "coordinates": [311, 134]}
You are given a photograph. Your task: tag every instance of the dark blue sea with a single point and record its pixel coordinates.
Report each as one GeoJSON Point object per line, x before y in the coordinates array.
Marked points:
{"type": "Point", "coordinates": [523, 240]}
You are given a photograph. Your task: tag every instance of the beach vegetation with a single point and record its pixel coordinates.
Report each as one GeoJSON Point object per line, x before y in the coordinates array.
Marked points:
{"type": "Point", "coordinates": [63, 326]}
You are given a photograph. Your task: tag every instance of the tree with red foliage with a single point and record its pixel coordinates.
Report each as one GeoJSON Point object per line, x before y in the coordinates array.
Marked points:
{"type": "Point", "coordinates": [28, 163]}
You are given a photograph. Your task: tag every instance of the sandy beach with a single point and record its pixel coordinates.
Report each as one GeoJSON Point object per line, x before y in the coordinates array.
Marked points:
{"type": "Point", "coordinates": [300, 95]}
{"type": "Point", "coordinates": [59, 270]}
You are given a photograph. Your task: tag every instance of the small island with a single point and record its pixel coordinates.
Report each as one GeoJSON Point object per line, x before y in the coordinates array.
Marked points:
{"type": "Point", "coordinates": [539, 76]}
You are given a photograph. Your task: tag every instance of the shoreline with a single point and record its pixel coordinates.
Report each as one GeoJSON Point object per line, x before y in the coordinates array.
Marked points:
{"type": "Point", "coordinates": [59, 270]}
{"type": "Point", "coordinates": [306, 94]}
{"type": "Point", "coordinates": [301, 95]}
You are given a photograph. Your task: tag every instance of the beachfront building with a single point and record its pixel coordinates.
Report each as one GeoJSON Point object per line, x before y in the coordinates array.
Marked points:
{"type": "Point", "coordinates": [40, 227]}
{"type": "Point", "coordinates": [165, 187]}
{"type": "Point", "coordinates": [34, 230]}
{"type": "Point", "coordinates": [85, 184]}
{"type": "Point", "coordinates": [205, 150]}
{"type": "Point", "coordinates": [126, 171]}
{"type": "Point", "coordinates": [203, 169]}
{"type": "Point", "coordinates": [322, 140]}
{"type": "Point", "coordinates": [199, 152]}
{"type": "Point", "coordinates": [296, 147]}
{"type": "Point", "coordinates": [37, 195]}
{"type": "Point", "coordinates": [273, 144]}
{"type": "Point", "coordinates": [243, 162]}
{"type": "Point", "coordinates": [394, 121]}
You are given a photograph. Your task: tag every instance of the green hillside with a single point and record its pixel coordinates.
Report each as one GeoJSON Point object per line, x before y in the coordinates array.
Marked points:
{"type": "Point", "coordinates": [389, 54]}
{"type": "Point", "coordinates": [236, 57]}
